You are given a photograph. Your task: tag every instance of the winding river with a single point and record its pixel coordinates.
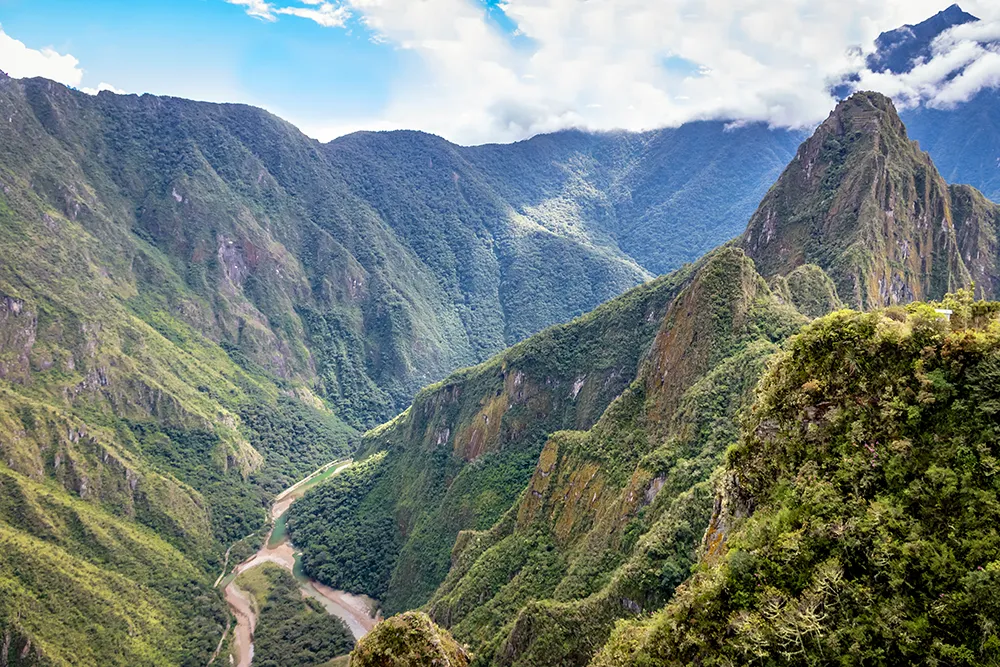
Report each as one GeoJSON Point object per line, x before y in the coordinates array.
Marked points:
{"type": "Point", "coordinates": [357, 611]}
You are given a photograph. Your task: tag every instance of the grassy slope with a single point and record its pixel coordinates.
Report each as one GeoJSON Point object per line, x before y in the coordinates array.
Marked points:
{"type": "Point", "coordinates": [134, 447]}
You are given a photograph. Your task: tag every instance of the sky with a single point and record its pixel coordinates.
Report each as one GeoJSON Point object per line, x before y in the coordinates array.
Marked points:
{"type": "Point", "coordinates": [477, 71]}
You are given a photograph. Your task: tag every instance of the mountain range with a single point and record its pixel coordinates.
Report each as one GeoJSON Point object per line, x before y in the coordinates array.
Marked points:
{"type": "Point", "coordinates": [199, 305]}
{"type": "Point", "coordinates": [614, 515]}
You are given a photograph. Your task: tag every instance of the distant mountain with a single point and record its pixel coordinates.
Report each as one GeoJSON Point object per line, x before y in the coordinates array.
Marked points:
{"type": "Point", "coordinates": [963, 139]}
{"type": "Point", "coordinates": [897, 50]}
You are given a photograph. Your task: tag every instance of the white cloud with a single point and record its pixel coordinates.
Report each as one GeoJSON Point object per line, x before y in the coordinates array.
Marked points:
{"type": "Point", "coordinates": [102, 87]}
{"type": "Point", "coordinates": [636, 64]}
{"type": "Point", "coordinates": [325, 14]}
{"type": "Point", "coordinates": [259, 9]}
{"type": "Point", "coordinates": [964, 61]}
{"type": "Point", "coordinates": [20, 62]}
{"type": "Point", "coordinates": [599, 64]}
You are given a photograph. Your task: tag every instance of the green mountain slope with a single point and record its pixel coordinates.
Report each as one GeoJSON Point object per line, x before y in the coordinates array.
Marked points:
{"type": "Point", "coordinates": [609, 522]}
{"type": "Point", "coordinates": [858, 513]}
{"type": "Point", "coordinates": [461, 454]}
{"type": "Point", "coordinates": [199, 305]}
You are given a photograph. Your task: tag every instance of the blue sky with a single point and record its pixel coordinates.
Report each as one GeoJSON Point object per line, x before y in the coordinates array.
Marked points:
{"type": "Point", "coordinates": [471, 70]}
{"type": "Point", "coordinates": [210, 50]}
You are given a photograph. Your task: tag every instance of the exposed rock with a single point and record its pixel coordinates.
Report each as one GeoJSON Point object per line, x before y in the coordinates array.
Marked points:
{"type": "Point", "coordinates": [18, 330]}
{"type": "Point", "coordinates": [866, 205]}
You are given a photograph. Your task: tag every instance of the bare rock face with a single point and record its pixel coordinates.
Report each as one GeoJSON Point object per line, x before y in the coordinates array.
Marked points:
{"type": "Point", "coordinates": [865, 204]}
{"type": "Point", "coordinates": [18, 329]}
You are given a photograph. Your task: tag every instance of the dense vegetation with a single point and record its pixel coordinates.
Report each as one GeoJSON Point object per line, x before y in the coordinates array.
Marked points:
{"type": "Point", "coordinates": [613, 518]}
{"type": "Point", "coordinates": [291, 631]}
{"type": "Point", "coordinates": [610, 522]}
{"type": "Point", "coordinates": [66, 562]}
{"type": "Point", "coordinates": [409, 640]}
{"type": "Point", "coordinates": [859, 511]}
{"type": "Point", "coordinates": [461, 455]}
{"type": "Point", "coordinates": [342, 543]}
{"type": "Point", "coordinates": [198, 305]}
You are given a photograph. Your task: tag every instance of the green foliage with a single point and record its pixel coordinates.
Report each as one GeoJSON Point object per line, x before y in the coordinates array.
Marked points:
{"type": "Point", "coordinates": [343, 543]}
{"type": "Point", "coordinates": [809, 289]}
{"type": "Point", "coordinates": [611, 521]}
{"type": "Point", "coordinates": [408, 640]}
{"type": "Point", "coordinates": [463, 453]}
{"type": "Point", "coordinates": [181, 281]}
{"type": "Point", "coordinates": [291, 631]}
{"type": "Point", "coordinates": [66, 563]}
{"type": "Point", "coordinates": [294, 438]}
{"type": "Point", "coordinates": [867, 471]}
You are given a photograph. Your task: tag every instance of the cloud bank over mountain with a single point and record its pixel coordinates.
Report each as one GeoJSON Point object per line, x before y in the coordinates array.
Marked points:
{"type": "Point", "coordinates": [962, 61]}
{"type": "Point", "coordinates": [478, 71]}
{"type": "Point", "coordinates": [527, 66]}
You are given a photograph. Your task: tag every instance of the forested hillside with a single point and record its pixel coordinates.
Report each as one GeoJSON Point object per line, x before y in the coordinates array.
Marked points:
{"type": "Point", "coordinates": [611, 518]}
{"type": "Point", "coordinates": [857, 515]}
{"type": "Point", "coordinates": [199, 305]}
{"type": "Point", "coordinates": [614, 517]}
{"type": "Point", "coordinates": [461, 454]}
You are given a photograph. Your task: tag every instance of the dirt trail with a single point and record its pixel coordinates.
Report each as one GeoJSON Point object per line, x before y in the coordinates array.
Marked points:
{"type": "Point", "coordinates": [357, 611]}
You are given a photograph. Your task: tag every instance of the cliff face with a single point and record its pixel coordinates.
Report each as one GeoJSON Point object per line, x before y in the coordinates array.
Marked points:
{"type": "Point", "coordinates": [866, 205]}
{"type": "Point", "coordinates": [612, 516]}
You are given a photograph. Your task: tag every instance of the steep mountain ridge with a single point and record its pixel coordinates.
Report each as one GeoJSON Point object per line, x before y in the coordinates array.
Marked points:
{"type": "Point", "coordinates": [615, 517]}
{"type": "Point", "coordinates": [861, 201]}
{"type": "Point", "coordinates": [898, 50]}
{"type": "Point", "coordinates": [460, 455]}
{"type": "Point", "coordinates": [963, 138]}
{"type": "Point", "coordinates": [611, 518]}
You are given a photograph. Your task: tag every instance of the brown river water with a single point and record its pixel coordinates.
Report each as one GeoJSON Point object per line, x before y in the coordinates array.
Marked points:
{"type": "Point", "coordinates": [357, 611]}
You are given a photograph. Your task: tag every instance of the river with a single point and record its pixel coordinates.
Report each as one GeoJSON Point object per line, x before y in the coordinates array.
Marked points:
{"type": "Point", "coordinates": [357, 611]}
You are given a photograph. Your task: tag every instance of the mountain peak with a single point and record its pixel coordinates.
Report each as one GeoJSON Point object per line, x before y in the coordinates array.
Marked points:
{"type": "Point", "coordinates": [865, 204]}
{"type": "Point", "coordinates": [897, 50]}
{"type": "Point", "coordinates": [867, 112]}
